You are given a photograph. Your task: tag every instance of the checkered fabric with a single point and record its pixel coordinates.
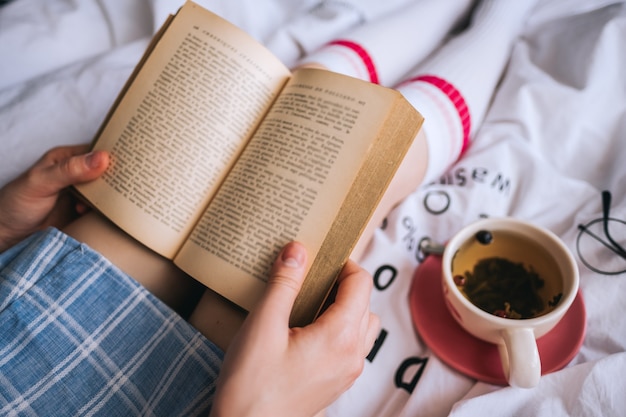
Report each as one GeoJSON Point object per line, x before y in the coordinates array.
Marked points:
{"type": "Point", "coordinates": [80, 337]}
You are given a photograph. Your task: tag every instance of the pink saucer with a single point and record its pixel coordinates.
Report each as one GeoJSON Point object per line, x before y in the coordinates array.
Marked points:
{"type": "Point", "coordinates": [474, 357]}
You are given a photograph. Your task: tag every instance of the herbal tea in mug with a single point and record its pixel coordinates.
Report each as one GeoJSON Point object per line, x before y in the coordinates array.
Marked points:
{"type": "Point", "coordinates": [498, 269]}
{"type": "Point", "coordinates": [507, 275]}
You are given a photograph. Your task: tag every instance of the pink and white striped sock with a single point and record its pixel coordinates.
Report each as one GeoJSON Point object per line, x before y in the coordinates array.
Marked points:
{"type": "Point", "coordinates": [454, 86]}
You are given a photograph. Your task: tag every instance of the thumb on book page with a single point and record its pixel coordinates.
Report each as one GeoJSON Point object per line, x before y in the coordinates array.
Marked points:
{"type": "Point", "coordinates": [284, 283]}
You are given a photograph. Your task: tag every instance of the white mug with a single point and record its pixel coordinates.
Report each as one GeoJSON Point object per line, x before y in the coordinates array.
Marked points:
{"type": "Point", "coordinates": [497, 248]}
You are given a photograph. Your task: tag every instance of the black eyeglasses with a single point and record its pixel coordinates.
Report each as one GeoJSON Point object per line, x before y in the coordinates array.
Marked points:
{"type": "Point", "coordinates": [603, 255]}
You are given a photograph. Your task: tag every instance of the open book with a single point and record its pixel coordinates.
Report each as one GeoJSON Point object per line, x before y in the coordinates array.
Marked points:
{"type": "Point", "coordinates": [221, 155]}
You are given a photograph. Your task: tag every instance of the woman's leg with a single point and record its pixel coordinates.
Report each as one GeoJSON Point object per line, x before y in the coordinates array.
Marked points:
{"type": "Point", "coordinates": [157, 274]}
{"type": "Point", "coordinates": [215, 317]}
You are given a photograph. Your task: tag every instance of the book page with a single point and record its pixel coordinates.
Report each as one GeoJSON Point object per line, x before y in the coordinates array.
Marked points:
{"type": "Point", "coordinates": [180, 126]}
{"type": "Point", "coordinates": [288, 184]}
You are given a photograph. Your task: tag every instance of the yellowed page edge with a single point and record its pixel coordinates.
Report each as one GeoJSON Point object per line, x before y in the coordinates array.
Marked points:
{"type": "Point", "coordinates": [376, 173]}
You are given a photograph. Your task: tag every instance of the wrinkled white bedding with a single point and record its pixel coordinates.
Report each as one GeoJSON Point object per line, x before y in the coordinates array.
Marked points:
{"type": "Point", "coordinates": [553, 139]}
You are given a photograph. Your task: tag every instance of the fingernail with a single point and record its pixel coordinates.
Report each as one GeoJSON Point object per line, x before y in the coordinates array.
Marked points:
{"type": "Point", "coordinates": [293, 256]}
{"type": "Point", "coordinates": [92, 160]}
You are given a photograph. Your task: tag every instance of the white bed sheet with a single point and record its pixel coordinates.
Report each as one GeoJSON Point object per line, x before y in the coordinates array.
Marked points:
{"type": "Point", "coordinates": [553, 139]}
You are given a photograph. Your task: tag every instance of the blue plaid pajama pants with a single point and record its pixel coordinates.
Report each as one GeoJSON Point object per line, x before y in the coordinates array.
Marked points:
{"type": "Point", "coordinates": [80, 337]}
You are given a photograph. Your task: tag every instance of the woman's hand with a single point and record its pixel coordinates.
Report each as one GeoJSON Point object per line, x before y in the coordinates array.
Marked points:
{"type": "Point", "coordinates": [38, 198]}
{"type": "Point", "coordinates": [273, 370]}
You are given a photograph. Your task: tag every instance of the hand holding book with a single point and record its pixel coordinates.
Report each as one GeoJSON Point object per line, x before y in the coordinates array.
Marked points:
{"type": "Point", "coordinates": [220, 156]}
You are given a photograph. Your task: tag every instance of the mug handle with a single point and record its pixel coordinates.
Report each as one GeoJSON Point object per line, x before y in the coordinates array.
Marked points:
{"type": "Point", "coordinates": [520, 357]}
